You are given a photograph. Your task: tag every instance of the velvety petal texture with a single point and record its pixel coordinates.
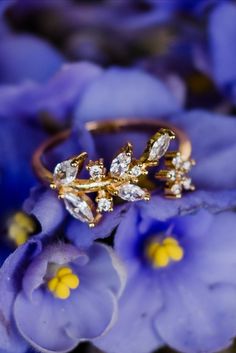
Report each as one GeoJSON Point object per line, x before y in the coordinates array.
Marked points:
{"type": "Point", "coordinates": [88, 312]}
{"type": "Point", "coordinates": [214, 201]}
{"type": "Point", "coordinates": [133, 332]}
{"type": "Point", "coordinates": [81, 235]}
{"type": "Point", "coordinates": [57, 97]}
{"type": "Point", "coordinates": [46, 208]}
{"type": "Point", "coordinates": [201, 295]}
{"type": "Point", "coordinates": [191, 302]}
{"type": "Point", "coordinates": [147, 96]}
{"type": "Point", "coordinates": [10, 284]}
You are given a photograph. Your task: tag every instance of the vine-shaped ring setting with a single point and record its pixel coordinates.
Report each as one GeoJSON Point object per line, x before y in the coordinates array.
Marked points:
{"type": "Point", "coordinates": [122, 178]}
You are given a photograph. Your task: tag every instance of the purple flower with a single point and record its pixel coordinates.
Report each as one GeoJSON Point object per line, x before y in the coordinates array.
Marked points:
{"type": "Point", "coordinates": [57, 97]}
{"type": "Point", "coordinates": [114, 94]}
{"type": "Point", "coordinates": [56, 295]}
{"type": "Point", "coordinates": [181, 283]}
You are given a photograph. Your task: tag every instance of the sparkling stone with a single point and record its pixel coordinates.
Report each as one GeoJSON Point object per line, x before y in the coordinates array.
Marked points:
{"type": "Point", "coordinates": [78, 208]}
{"type": "Point", "coordinates": [187, 183]}
{"type": "Point", "coordinates": [171, 175]}
{"type": "Point", "coordinates": [65, 173]}
{"type": "Point", "coordinates": [136, 171]}
{"type": "Point", "coordinates": [120, 164]}
{"type": "Point", "coordinates": [131, 192]}
{"type": "Point", "coordinates": [159, 147]}
{"type": "Point", "coordinates": [95, 171]}
{"type": "Point", "coordinates": [104, 204]}
{"type": "Point", "coordinates": [177, 161]}
{"type": "Point", "coordinates": [187, 166]}
{"type": "Point", "coordinates": [176, 189]}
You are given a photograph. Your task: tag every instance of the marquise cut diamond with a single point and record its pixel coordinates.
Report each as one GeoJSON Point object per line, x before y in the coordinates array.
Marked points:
{"type": "Point", "coordinates": [159, 147]}
{"type": "Point", "coordinates": [131, 192]}
{"type": "Point", "coordinates": [65, 172]}
{"type": "Point", "coordinates": [78, 208]}
{"type": "Point", "coordinates": [120, 164]}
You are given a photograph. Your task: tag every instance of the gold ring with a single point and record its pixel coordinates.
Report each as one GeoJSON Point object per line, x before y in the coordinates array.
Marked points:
{"type": "Point", "coordinates": [126, 176]}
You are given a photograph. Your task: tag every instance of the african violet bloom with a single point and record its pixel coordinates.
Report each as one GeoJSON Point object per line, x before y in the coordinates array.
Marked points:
{"type": "Point", "coordinates": [181, 283]}
{"type": "Point", "coordinates": [55, 295]}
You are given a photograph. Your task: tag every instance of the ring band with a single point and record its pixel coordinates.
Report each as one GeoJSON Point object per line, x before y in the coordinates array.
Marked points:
{"type": "Point", "coordinates": [124, 176]}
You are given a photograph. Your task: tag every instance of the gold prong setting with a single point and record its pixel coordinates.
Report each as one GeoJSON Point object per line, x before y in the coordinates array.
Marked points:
{"type": "Point", "coordinates": [96, 169]}
{"type": "Point", "coordinates": [104, 202]}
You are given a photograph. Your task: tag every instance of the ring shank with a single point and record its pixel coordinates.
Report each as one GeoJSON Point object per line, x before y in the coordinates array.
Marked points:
{"type": "Point", "coordinates": [107, 126]}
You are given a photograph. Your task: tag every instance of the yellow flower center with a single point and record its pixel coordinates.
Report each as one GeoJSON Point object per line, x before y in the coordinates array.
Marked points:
{"type": "Point", "coordinates": [21, 227]}
{"type": "Point", "coordinates": [160, 254]}
{"type": "Point", "coordinates": [62, 283]}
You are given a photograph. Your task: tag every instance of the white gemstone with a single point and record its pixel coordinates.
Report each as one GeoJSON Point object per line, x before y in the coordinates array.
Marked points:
{"type": "Point", "coordinates": [177, 161]}
{"type": "Point", "coordinates": [131, 192]}
{"type": "Point", "coordinates": [120, 164]}
{"type": "Point", "coordinates": [187, 183]}
{"type": "Point", "coordinates": [104, 204]}
{"type": "Point", "coordinates": [136, 171]}
{"type": "Point", "coordinates": [78, 208]}
{"type": "Point", "coordinates": [65, 173]}
{"type": "Point", "coordinates": [176, 189]}
{"type": "Point", "coordinates": [171, 175]}
{"type": "Point", "coordinates": [187, 166]}
{"type": "Point", "coordinates": [95, 171]}
{"type": "Point", "coordinates": [159, 147]}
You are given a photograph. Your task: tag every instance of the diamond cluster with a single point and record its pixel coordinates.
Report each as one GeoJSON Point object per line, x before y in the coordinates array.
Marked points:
{"type": "Point", "coordinates": [176, 174]}
{"type": "Point", "coordinates": [120, 180]}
